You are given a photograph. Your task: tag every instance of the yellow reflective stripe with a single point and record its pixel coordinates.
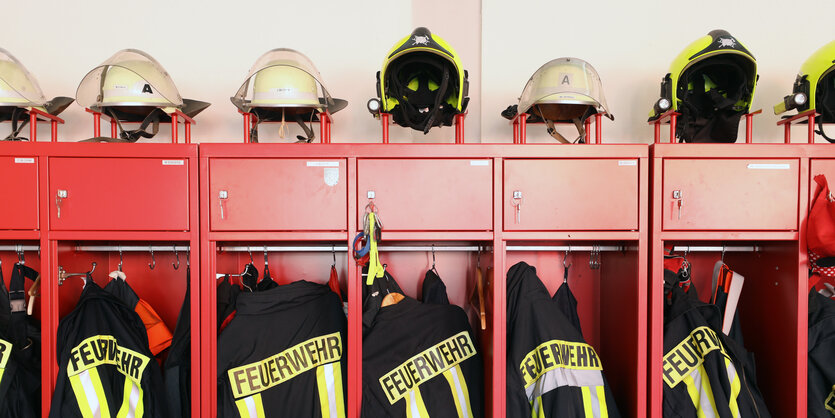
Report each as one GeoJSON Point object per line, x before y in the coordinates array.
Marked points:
{"type": "Point", "coordinates": [460, 394]}
{"type": "Point", "coordinates": [707, 391]}
{"type": "Point", "coordinates": [1, 374]}
{"type": "Point", "coordinates": [89, 394]}
{"type": "Point", "coordinates": [736, 386]}
{"type": "Point", "coordinates": [251, 407]}
{"type": "Point", "coordinates": [694, 394]}
{"type": "Point", "coordinates": [587, 401]}
{"type": "Point", "coordinates": [329, 381]}
{"type": "Point", "coordinates": [601, 397]}
{"type": "Point", "coordinates": [132, 401]}
{"type": "Point", "coordinates": [540, 410]}
{"type": "Point", "coordinates": [415, 408]}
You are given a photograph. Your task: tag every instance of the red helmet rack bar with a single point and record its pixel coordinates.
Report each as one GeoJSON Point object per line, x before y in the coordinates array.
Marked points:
{"type": "Point", "coordinates": [520, 131]}
{"type": "Point", "coordinates": [385, 121]}
{"type": "Point", "coordinates": [325, 121]}
{"type": "Point", "coordinates": [45, 117]}
{"type": "Point", "coordinates": [809, 117]}
{"type": "Point", "coordinates": [175, 120]}
{"type": "Point", "coordinates": [673, 117]}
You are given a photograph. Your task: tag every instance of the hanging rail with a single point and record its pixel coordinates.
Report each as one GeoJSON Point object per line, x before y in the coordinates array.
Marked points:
{"type": "Point", "coordinates": [20, 248]}
{"type": "Point", "coordinates": [131, 248]}
{"type": "Point", "coordinates": [716, 248]}
{"type": "Point", "coordinates": [342, 248]}
{"type": "Point", "coordinates": [569, 248]}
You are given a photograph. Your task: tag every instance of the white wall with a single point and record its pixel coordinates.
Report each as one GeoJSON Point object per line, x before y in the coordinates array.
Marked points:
{"type": "Point", "coordinates": [208, 47]}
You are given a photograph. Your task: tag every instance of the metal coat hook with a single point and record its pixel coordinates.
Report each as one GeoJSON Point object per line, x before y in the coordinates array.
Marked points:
{"type": "Point", "coordinates": [723, 253]}
{"type": "Point", "coordinates": [177, 255]}
{"type": "Point", "coordinates": [153, 262]}
{"type": "Point", "coordinates": [433, 256]}
{"type": "Point", "coordinates": [266, 261]}
{"type": "Point", "coordinates": [188, 258]}
{"type": "Point", "coordinates": [478, 258]}
{"type": "Point", "coordinates": [250, 255]}
{"type": "Point", "coordinates": [565, 258]}
{"type": "Point", "coordinates": [21, 259]}
{"type": "Point", "coordinates": [63, 275]}
{"type": "Point", "coordinates": [120, 258]}
{"type": "Point", "coordinates": [333, 252]}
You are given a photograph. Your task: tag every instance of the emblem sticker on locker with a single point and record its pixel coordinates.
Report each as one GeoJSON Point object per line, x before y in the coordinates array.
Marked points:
{"type": "Point", "coordinates": [782, 166]}
{"type": "Point", "coordinates": [627, 162]}
{"type": "Point", "coordinates": [24, 161]}
{"type": "Point", "coordinates": [479, 163]}
{"type": "Point", "coordinates": [331, 176]}
{"type": "Point", "coordinates": [173, 162]}
{"type": "Point", "coordinates": [323, 163]}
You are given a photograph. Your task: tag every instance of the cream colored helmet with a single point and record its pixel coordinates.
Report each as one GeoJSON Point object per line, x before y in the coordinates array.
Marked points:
{"type": "Point", "coordinates": [284, 83]}
{"type": "Point", "coordinates": [564, 90]}
{"type": "Point", "coordinates": [131, 86]}
{"type": "Point", "coordinates": [19, 92]}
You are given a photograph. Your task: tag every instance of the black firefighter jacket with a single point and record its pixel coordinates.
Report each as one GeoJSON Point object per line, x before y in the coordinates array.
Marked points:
{"type": "Point", "coordinates": [821, 380]}
{"type": "Point", "coordinates": [106, 367]}
{"type": "Point", "coordinates": [551, 371]}
{"type": "Point", "coordinates": [283, 354]}
{"type": "Point", "coordinates": [705, 372]}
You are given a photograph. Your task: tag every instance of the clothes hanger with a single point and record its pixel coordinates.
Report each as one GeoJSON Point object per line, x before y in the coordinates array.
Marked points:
{"type": "Point", "coordinates": [34, 292]}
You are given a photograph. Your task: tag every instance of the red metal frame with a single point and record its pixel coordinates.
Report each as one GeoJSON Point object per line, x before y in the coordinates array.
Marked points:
{"type": "Point", "coordinates": [498, 237]}
{"type": "Point", "coordinates": [808, 117]}
{"type": "Point", "coordinates": [325, 122]}
{"type": "Point", "coordinates": [673, 121]}
{"type": "Point", "coordinates": [458, 122]}
{"type": "Point", "coordinates": [175, 120]}
{"type": "Point", "coordinates": [36, 115]}
{"type": "Point", "coordinates": [520, 131]}
{"type": "Point", "coordinates": [786, 249]}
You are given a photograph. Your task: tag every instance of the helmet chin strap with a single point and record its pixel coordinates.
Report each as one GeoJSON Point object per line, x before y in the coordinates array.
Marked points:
{"type": "Point", "coordinates": [552, 130]}
{"type": "Point", "coordinates": [13, 136]}
{"type": "Point", "coordinates": [134, 135]}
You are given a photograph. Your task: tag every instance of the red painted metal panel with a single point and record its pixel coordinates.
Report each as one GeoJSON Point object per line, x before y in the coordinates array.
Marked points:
{"type": "Point", "coordinates": [278, 194]}
{"type": "Point", "coordinates": [20, 186]}
{"type": "Point", "coordinates": [820, 166]}
{"type": "Point", "coordinates": [429, 195]}
{"type": "Point", "coordinates": [730, 194]}
{"type": "Point", "coordinates": [119, 194]}
{"type": "Point", "coordinates": [571, 194]}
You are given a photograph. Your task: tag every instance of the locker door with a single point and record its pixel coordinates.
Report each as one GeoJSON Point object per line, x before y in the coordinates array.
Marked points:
{"type": "Point", "coordinates": [118, 194]}
{"type": "Point", "coordinates": [733, 194]}
{"type": "Point", "coordinates": [825, 167]}
{"type": "Point", "coordinates": [562, 194]}
{"type": "Point", "coordinates": [20, 188]}
{"type": "Point", "coordinates": [429, 195]}
{"type": "Point", "coordinates": [278, 194]}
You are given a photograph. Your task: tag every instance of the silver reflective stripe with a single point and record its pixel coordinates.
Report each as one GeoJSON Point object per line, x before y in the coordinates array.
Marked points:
{"type": "Point", "coordinates": [705, 406]}
{"type": "Point", "coordinates": [413, 404]}
{"type": "Point", "coordinates": [459, 392]}
{"type": "Point", "coordinates": [90, 393]}
{"type": "Point", "coordinates": [250, 406]}
{"type": "Point", "coordinates": [134, 400]}
{"type": "Point", "coordinates": [331, 389]}
{"type": "Point", "coordinates": [595, 402]}
{"type": "Point", "coordinates": [555, 378]}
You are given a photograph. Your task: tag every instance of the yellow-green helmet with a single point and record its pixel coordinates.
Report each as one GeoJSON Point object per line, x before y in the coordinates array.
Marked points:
{"type": "Point", "coordinates": [814, 88]}
{"type": "Point", "coordinates": [422, 82]}
{"type": "Point", "coordinates": [711, 83]}
{"type": "Point", "coordinates": [131, 86]}
{"type": "Point", "coordinates": [19, 92]}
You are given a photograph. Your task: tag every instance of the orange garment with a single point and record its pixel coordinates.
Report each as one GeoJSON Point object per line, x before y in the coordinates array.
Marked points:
{"type": "Point", "coordinates": [159, 336]}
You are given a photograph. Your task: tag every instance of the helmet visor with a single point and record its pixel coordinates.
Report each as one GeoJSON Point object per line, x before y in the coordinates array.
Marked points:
{"type": "Point", "coordinates": [17, 86]}
{"type": "Point", "coordinates": [276, 58]}
{"type": "Point", "coordinates": [90, 92]}
{"type": "Point", "coordinates": [564, 81]}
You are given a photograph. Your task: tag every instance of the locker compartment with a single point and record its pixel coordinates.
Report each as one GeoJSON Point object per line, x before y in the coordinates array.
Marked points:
{"type": "Point", "coordinates": [278, 194]}
{"type": "Point", "coordinates": [428, 195]}
{"type": "Point", "coordinates": [825, 167]}
{"type": "Point", "coordinates": [767, 310]}
{"type": "Point", "coordinates": [9, 257]}
{"type": "Point", "coordinates": [20, 186]}
{"type": "Point", "coordinates": [456, 263]}
{"type": "Point", "coordinates": [731, 194]}
{"type": "Point", "coordinates": [163, 288]}
{"type": "Point", "coordinates": [287, 263]}
{"type": "Point", "coordinates": [562, 194]}
{"type": "Point", "coordinates": [608, 300]}
{"type": "Point", "coordinates": [131, 194]}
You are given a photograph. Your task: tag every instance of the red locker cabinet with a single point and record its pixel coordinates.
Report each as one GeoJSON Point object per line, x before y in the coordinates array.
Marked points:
{"type": "Point", "coordinates": [128, 206]}
{"type": "Point", "coordinates": [560, 202]}
{"type": "Point", "coordinates": [20, 186]}
{"type": "Point", "coordinates": [737, 203]}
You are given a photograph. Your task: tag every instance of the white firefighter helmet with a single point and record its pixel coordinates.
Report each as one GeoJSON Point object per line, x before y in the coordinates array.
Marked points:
{"type": "Point", "coordinates": [17, 86]}
{"type": "Point", "coordinates": [564, 90]}
{"type": "Point", "coordinates": [129, 78]}
{"type": "Point", "coordinates": [284, 83]}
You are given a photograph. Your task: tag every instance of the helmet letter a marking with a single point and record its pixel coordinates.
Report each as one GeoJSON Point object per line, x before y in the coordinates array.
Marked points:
{"type": "Point", "coordinates": [147, 89]}
{"type": "Point", "coordinates": [565, 78]}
